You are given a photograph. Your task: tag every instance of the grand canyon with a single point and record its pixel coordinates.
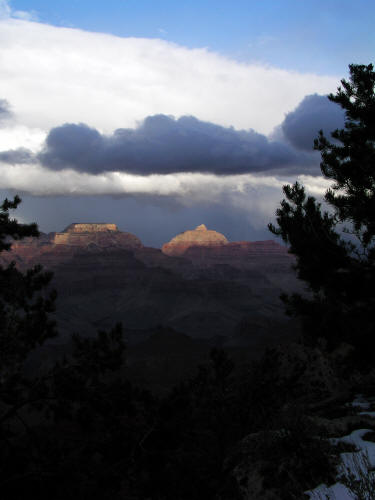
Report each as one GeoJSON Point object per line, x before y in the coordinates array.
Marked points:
{"type": "Point", "coordinates": [198, 290]}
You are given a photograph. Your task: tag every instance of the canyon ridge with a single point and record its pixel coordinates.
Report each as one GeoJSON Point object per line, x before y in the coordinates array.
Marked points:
{"type": "Point", "coordinates": [198, 289]}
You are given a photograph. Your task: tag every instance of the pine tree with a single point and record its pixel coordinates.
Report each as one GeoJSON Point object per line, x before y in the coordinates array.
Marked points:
{"type": "Point", "coordinates": [335, 248]}
{"type": "Point", "coordinates": [26, 303]}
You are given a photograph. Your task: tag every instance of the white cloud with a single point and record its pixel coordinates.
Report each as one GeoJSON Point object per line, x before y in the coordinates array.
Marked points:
{"type": "Point", "coordinates": [15, 136]}
{"type": "Point", "coordinates": [317, 186]}
{"type": "Point", "coordinates": [53, 75]}
{"type": "Point", "coordinates": [5, 10]}
{"type": "Point", "coordinates": [25, 15]}
{"type": "Point", "coordinates": [256, 196]}
{"type": "Point", "coordinates": [37, 180]}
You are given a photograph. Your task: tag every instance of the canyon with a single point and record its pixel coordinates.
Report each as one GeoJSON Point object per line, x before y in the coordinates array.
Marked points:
{"type": "Point", "coordinates": [199, 289]}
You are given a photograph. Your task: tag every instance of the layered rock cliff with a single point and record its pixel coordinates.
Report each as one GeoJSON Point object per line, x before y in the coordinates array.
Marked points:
{"type": "Point", "coordinates": [102, 235]}
{"type": "Point", "coordinates": [52, 249]}
{"type": "Point", "coordinates": [198, 237]}
{"type": "Point", "coordinates": [90, 227]}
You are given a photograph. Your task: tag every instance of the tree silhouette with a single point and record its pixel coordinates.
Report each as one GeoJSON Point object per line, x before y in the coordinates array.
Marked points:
{"type": "Point", "coordinates": [335, 248]}
{"type": "Point", "coordinates": [25, 302]}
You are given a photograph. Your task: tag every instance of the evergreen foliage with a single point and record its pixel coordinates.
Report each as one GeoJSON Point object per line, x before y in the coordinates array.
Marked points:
{"type": "Point", "coordinates": [335, 248]}
{"type": "Point", "coordinates": [25, 302]}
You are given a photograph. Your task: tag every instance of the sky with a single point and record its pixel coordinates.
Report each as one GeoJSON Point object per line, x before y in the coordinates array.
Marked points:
{"type": "Point", "coordinates": [160, 116]}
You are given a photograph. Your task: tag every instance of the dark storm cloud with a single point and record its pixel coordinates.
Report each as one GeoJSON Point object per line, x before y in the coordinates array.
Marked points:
{"type": "Point", "coordinates": [5, 111]}
{"type": "Point", "coordinates": [162, 144]}
{"type": "Point", "coordinates": [314, 113]}
{"type": "Point", "coordinates": [16, 156]}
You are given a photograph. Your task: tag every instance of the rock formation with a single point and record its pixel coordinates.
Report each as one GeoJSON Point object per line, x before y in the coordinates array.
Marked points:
{"type": "Point", "coordinates": [198, 237]}
{"type": "Point", "coordinates": [90, 227]}
{"type": "Point", "coordinates": [203, 246]}
{"type": "Point", "coordinates": [102, 235]}
{"type": "Point", "coordinates": [52, 249]}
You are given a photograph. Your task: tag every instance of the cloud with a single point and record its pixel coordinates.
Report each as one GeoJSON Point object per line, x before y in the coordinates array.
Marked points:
{"type": "Point", "coordinates": [187, 188]}
{"type": "Point", "coordinates": [25, 15]}
{"type": "Point", "coordinates": [5, 112]}
{"type": "Point", "coordinates": [55, 75]}
{"type": "Point", "coordinates": [240, 206]}
{"type": "Point", "coordinates": [161, 144]}
{"type": "Point", "coordinates": [262, 40]}
{"type": "Point", "coordinates": [5, 10]}
{"type": "Point", "coordinates": [15, 136]}
{"type": "Point", "coordinates": [301, 126]}
{"type": "Point", "coordinates": [17, 156]}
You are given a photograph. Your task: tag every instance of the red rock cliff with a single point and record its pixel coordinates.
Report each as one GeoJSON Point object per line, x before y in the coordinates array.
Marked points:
{"type": "Point", "coordinates": [99, 234]}
{"type": "Point", "coordinates": [200, 237]}
{"type": "Point", "coordinates": [90, 227]}
{"type": "Point", "coordinates": [54, 248]}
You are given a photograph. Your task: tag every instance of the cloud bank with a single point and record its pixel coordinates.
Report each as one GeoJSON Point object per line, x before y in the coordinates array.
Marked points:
{"type": "Point", "coordinates": [164, 156]}
{"type": "Point", "coordinates": [248, 193]}
{"type": "Point", "coordinates": [162, 144]}
{"type": "Point", "coordinates": [314, 113]}
{"type": "Point", "coordinates": [54, 75]}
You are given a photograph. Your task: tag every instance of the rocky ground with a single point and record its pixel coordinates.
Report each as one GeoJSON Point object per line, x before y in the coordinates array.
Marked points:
{"type": "Point", "coordinates": [316, 437]}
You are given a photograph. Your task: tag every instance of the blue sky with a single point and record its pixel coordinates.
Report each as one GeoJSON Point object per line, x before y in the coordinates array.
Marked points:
{"type": "Point", "coordinates": [160, 116]}
{"type": "Point", "coordinates": [321, 36]}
